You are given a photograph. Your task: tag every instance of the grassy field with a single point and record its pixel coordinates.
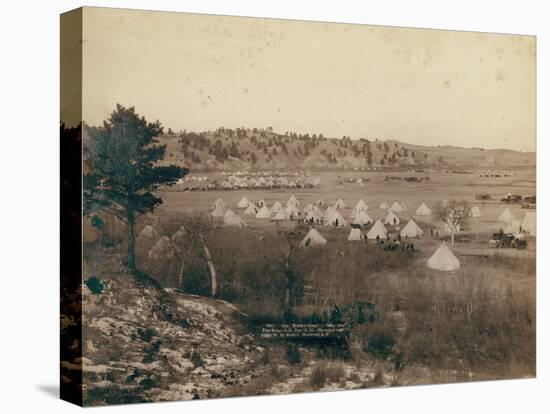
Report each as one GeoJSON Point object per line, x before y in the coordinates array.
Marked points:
{"type": "Point", "coordinates": [440, 186]}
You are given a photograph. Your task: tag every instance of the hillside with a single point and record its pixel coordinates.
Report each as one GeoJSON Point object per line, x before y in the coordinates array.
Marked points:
{"type": "Point", "coordinates": [260, 149]}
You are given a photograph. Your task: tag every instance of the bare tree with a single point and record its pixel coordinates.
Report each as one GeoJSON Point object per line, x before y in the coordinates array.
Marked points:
{"type": "Point", "coordinates": [196, 229]}
{"type": "Point", "coordinates": [453, 214]}
{"type": "Point", "coordinates": [288, 257]}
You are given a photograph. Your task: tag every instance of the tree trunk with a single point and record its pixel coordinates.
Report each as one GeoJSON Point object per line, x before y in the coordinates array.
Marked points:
{"type": "Point", "coordinates": [180, 276]}
{"type": "Point", "coordinates": [131, 255]}
{"type": "Point", "coordinates": [453, 238]}
{"type": "Point", "coordinates": [213, 276]}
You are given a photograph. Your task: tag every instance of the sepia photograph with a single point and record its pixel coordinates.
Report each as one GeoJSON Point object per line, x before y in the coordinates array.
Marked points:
{"type": "Point", "coordinates": [272, 206]}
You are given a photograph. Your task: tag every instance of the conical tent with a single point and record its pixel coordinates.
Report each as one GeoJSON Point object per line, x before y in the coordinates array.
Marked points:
{"type": "Point", "coordinates": [377, 230]}
{"type": "Point", "coordinates": [235, 221]}
{"type": "Point", "coordinates": [443, 259]}
{"type": "Point", "coordinates": [162, 249]}
{"type": "Point", "coordinates": [313, 238]}
{"type": "Point", "coordinates": [228, 215]}
{"type": "Point", "coordinates": [363, 218]}
{"type": "Point", "coordinates": [293, 201]}
{"type": "Point", "coordinates": [263, 213]}
{"type": "Point", "coordinates": [276, 207]}
{"type": "Point", "coordinates": [361, 205]}
{"type": "Point", "coordinates": [339, 204]}
{"type": "Point", "coordinates": [392, 219]}
{"type": "Point", "coordinates": [292, 211]}
{"type": "Point", "coordinates": [411, 229]}
{"type": "Point", "coordinates": [355, 235]}
{"type": "Point", "coordinates": [335, 220]}
{"type": "Point", "coordinates": [313, 216]}
{"type": "Point", "coordinates": [219, 211]}
{"type": "Point", "coordinates": [396, 207]}
{"type": "Point", "coordinates": [475, 212]}
{"type": "Point", "coordinates": [528, 223]}
{"type": "Point", "coordinates": [513, 227]}
{"type": "Point", "coordinates": [403, 207]}
{"type": "Point", "coordinates": [423, 210]}
{"type": "Point", "coordinates": [179, 235]}
{"type": "Point", "coordinates": [507, 216]}
{"type": "Point", "coordinates": [262, 203]}
{"type": "Point", "coordinates": [251, 210]}
{"type": "Point", "coordinates": [281, 215]}
{"type": "Point", "coordinates": [383, 205]}
{"type": "Point", "coordinates": [243, 203]}
{"type": "Point", "coordinates": [328, 212]}
{"type": "Point", "coordinates": [308, 208]}
{"type": "Point", "coordinates": [219, 203]}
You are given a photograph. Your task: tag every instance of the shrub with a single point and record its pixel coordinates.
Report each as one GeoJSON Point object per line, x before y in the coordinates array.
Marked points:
{"type": "Point", "coordinates": [146, 334]}
{"type": "Point", "coordinates": [293, 355]}
{"type": "Point", "coordinates": [196, 359]}
{"type": "Point", "coordinates": [326, 372]}
{"type": "Point", "coordinates": [97, 222]}
{"type": "Point", "coordinates": [380, 339]}
{"type": "Point", "coordinates": [95, 285]}
{"type": "Point", "coordinates": [151, 351]}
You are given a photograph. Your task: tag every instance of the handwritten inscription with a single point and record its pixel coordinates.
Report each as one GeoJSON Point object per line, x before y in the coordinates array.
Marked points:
{"type": "Point", "coordinates": [303, 330]}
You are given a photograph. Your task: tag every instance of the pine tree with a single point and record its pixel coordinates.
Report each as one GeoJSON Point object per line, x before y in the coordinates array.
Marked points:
{"type": "Point", "coordinates": [122, 171]}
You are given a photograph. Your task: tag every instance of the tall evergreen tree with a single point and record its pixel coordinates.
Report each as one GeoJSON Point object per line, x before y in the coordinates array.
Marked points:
{"type": "Point", "coordinates": [122, 171]}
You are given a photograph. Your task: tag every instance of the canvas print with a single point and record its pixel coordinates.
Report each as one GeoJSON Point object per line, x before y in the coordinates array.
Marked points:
{"type": "Point", "coordinates": [261, 207]}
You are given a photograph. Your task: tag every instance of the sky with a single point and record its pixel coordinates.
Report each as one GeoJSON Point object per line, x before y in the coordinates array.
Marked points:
{"type": "Point", "coordinates": [199, 72]}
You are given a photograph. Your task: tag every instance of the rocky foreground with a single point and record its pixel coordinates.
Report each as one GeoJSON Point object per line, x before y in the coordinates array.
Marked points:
{"type": "Point", "coordinates": [143, 343]}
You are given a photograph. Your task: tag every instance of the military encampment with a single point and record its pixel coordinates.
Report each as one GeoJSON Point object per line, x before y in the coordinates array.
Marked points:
{"type": "Point", "coordinates": [352, 211]}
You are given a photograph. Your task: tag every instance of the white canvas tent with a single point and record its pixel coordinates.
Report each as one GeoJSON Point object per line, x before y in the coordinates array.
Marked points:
{"type": "Point", "coordinates": [443, 259]}
{"type": "Point", "coordinates": [363, 218]}
{"type": "Point", "coordinates": [361, 205]}
{"type": "Point", "coordinates": [475, 212]}
{"type": "Point", "coordinates": [391, 219]}
{"type": "Point", "coordinates": [235, 221]}
{"type": "Point", "coordinates": [263, 213]}
{"type": "Point", "coordinates": [276, 207]}
{"type": "Point", "coordinates": [335, 219]}
{"type": "Point", "coordinates": [219, 203]}
{"type": "Point", "coordinates": [513, 227]}
{"type": "Point", "coordinates": [396, 207]}
{"type": "Point", "coordinates": [355, 235]}
{"type": "Point", "coordinates": [243, 203]}
{"type": "Point", "coordinates": [411, 229]}
{"type": "Point", "coordinates": [219, 211]}
{"type": "Point", "coordinates": [162, 249]}
{"type": "Point", "coordinates": [292, 211]}
{"type": "Point", "coordinates": [179, 235]}
{"type": "Point", "coordinates": [339, 204]}
{"type": "Point", "coordinates": [507, 216]}
{"type": "Point", "coordinates": [313, 216]}
{"type": "Point", "coordinates": [383, 205]}
{"type": "Point", "coordinates": [281, 215]}
{"type": "Point", "coordinates": [228, 215]}
{"type": "Point", "coordinates": [423, 210]}
{"type": "Point", "coordinates": [293, 201]}
{"type": "Point", "coordinates": [313, 238]}
{"type": "Point", "coordinates": [251, 210]}
{"type": "Point", "coordinates": [377, 229]}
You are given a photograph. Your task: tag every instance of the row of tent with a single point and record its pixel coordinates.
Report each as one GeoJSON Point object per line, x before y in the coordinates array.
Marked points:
{"type": "Point", "coordinates": [442, 259]}
{"type": "Point", "coordinates": [377, 231]}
